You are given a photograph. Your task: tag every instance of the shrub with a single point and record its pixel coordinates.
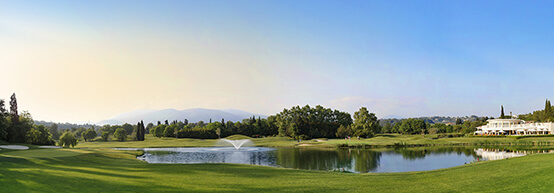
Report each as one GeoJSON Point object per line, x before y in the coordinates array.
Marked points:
{"type": "Point", "coordinates": [68, 139]}
{"type": "Point", "coordinates": [39, 135]}
{"type": "Point", "coordinates": [105, 135]}
{"type": "Point", "coordinates": [120, 134]}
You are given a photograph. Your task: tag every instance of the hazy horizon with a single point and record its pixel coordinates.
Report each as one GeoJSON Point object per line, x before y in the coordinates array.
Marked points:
{"type": "Point", "coordinates": [81, 61]}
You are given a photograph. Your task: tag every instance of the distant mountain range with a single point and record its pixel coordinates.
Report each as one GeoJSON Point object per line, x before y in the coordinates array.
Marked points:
{"type": "Point", "coordinates": [192, 115]}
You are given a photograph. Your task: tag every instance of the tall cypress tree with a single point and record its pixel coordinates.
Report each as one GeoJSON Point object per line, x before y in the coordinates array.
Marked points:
{"type": "Point", "coordinates": [501, 111]}
{"type": "Point", "coordinates": [142, 130]}
{"type": "Point", "coordinates": [137, 133]}
{"type": "Point", "coordinates": [13, 129]}
{"type": "Point", "coordinates": [548, 110]}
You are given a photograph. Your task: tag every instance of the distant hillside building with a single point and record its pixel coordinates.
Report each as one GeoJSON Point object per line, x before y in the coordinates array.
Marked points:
{"type": "Point", "coordinates": [514, 127]}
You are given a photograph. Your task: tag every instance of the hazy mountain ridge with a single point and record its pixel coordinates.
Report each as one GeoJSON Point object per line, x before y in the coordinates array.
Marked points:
{"type": "Point", "coordinates": [192, 115]}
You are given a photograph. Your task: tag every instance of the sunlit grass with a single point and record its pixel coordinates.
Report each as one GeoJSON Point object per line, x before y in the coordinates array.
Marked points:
{"type": "Point", "coordinates": [106, 170]}
{"type": "Point", "coordinates": [388, 140]}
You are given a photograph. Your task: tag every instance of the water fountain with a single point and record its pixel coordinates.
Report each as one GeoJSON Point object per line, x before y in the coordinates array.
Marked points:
{"type": "Point", "coordinates": [236, 143]}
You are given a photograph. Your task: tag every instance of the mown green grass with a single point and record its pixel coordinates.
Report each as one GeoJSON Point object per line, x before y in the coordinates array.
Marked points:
{"type": "Point", "coordinates": [106, 170]}
{"type": "Point", "coordinates": [378, 141]}
{"type": "Point", "coordinates": [151, 141]}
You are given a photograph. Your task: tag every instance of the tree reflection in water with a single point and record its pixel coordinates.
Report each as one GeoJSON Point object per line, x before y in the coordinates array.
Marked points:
{"type": "Point", "coordinates": [353, 160]}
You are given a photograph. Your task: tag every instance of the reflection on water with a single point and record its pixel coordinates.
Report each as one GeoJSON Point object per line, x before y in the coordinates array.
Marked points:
{"type": "Point", "coordinates": [246, 155]}
{"type": "Point", "coordinates": [353, 160]}
{"type": "Point", "coordinates": [496, 154]}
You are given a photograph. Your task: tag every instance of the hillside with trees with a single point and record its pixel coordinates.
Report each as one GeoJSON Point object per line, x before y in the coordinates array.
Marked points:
{"type": "Point", "coordinates": [20, 128]}
{"type": "Point", "coordinates": [297, 122]}
{"type": "Point", "coordinates": [545, 115]}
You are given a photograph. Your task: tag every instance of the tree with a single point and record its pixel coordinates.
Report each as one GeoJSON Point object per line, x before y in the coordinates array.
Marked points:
{"type": "Point", "coordinates": [89, 134]}
{"type": "Point", "coordinates": [79, 132]}
{"type": "Point", "coordinates": [312, 122]}
{"type": "Point", "coordinates": [343, 131]}
{"type": "Point", "coordinates": [387, 128]}
{"type": "Point", "coordinates": [501, 111]}
{"type": "Point", "coordinates": [128, 128]}
{"type": "Point", "coordinates": [142, 130]}
{"type": "Point", "coordinates": [108, 128]}
{"type": "Point", "coordinates": [13, 108]}
{"type": "Point", "coordinates": [19, 125]}
{"type": "Point", "coordinates": [4, 124]}
{"type": "Point", "coordinates": [365, 123]}
{"type": "Point", "coordinates": [149, 127]}
{"type": "Point", "coordinates": [548, 114]}
{"type": "Point", "coordinates": [139, 131]}
{"type": "Point", "coordinates": [54, 131]}
{"type": "Point", "coordinates": [68, 139]}
{"type": "Point", "coordinates": [218, 132]}
{"type": "Point", "coordinates": [120, 134]}
{"type": "Point", "coordinates": [105, 136]}
{"type": "Point", "coordinates": [39, 135]}
{"type": "Point", "coordinates": [459, 121]}
{"type": "Point", "coordinates": [169, 131]}
{"type": "Point", "coordinates": [18, 129]}
{"type": "Point", "coordinates": [158, 131]}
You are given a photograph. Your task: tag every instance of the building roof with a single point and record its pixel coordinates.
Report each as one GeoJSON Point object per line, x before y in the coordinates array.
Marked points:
{"type": "Point", "coordinates": [504, 120]}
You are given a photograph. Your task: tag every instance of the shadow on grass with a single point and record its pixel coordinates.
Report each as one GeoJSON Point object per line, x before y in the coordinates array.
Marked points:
{"type": "Point", "coordinates": [74, 174]}
{"type": "Point", "coordinates": [387, 135]}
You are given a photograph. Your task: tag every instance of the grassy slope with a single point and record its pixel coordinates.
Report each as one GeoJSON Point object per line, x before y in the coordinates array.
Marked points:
{"type": "Point", "coordinates": [185, 142]}
{"type": "Point", "coordinates": [383, 140]}
{"type": "Point", "coordinates": [105, 170]}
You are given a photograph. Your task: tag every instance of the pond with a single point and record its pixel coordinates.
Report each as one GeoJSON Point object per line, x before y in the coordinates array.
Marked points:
{"type": "Point", "coordinates": [337, 159]}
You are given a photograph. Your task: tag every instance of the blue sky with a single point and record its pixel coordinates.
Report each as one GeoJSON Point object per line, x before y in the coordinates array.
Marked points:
{"type": "Point", "coordinates": [89, 59]}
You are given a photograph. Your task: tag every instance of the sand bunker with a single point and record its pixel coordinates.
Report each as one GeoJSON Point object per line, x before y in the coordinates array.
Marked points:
{"type": "Point", "coordinates": [18, 147]}
{"type": "Point", "coordinates": [50, 147]}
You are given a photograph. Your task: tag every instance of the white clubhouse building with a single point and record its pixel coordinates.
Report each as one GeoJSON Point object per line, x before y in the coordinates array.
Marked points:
{"type": "Point", "coordinates": [514, 127]}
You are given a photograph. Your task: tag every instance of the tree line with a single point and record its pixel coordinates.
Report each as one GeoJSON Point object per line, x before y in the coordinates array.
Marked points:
{"type": "Point", "coordinates": [16, 128]}
{"type": "Point", "coordinates": [298, 123]}
{"type": "Point", "coordinates": [419, 126]}
{"type": "Point", "coordinates": [545, 115]}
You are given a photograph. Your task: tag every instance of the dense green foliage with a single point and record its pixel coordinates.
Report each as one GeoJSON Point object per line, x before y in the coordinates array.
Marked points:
{"type": "Point", "coordinates": [128, 128]}
{"type": "Point", "coordinates": [39, 135]}
{"type": "Point", "coordinates": [410, 126]}
{"type": "Point", "coordinates": [63, 126]}
{"type": "Point", "coordinates": [120, 134]}
{"type": "Point", "coordinates": [306, 122]}
{"type": "Point", "coordinates": [105, 136]}
{"type": "Point", "coordinates": [89, 134]}
{"type": "Point", "coordinates": [67, 139]}
{"type": "Point", "coordinates": [249, 127]}
{"type": "Point", "coordinates": [53, 129]}
{"type": "Point", "coordinates": [16, 128]}
{"type": "Point", "coordinates": [545, 115]}
{"type": "Point", "coordinates": [4, 122]}
{"type": "Point", "coordinates": [139, 131]}
{"type": "Point", "coordinates": [434, 119]}
{"type": "Point", "coordinates": [418, 126]}
{"type": "Point", "coordinates": [365, 123]}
